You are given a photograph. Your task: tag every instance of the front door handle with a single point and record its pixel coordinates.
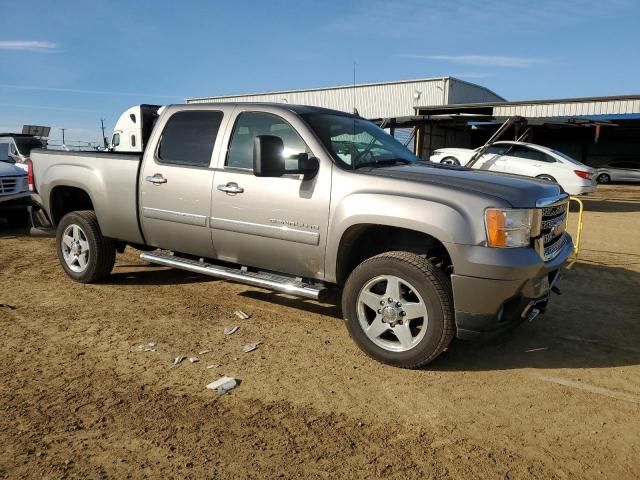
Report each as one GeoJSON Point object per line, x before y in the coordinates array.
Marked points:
{"type": "Point", "coordinates": [156, 179]}
{"type": "Point", "coordinates": [231, 187]}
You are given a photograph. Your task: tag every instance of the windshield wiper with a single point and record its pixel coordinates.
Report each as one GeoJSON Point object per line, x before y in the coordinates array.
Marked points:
{"type": "Point", "coordinates": [386, 161]}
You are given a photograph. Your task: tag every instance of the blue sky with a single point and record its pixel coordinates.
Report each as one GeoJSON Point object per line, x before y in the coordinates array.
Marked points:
{"type": "Point", "coordinates": [69, 63]}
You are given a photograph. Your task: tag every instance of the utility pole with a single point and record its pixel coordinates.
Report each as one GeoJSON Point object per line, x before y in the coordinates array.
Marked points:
{"type": "Point", "coordinates": [104, 139]}
{"type": "Point", "coordinates": [63, 142]}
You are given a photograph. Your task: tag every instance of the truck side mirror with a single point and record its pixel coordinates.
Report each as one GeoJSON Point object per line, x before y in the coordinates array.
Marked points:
{"type": "Point", "coordinates": [307, 166]}
{"type": "Point", "coordinates": [268, 159]}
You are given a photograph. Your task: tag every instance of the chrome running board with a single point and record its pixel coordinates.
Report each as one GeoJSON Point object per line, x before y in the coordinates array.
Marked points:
{"type": "Point", "coordinates": [268, 280]}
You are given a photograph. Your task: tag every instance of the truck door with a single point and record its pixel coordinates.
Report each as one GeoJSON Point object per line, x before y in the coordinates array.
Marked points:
{"type": "Point", "coordinates": [176, 180]}
{"type": "Point", "coordinates": [271, 223]}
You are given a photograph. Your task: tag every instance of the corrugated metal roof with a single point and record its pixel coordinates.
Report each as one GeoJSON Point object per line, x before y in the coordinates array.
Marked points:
{"type": "Point", "coordinates": [569, 109]}
{"type": "Point", "coordinates": [566, 107]}
{"type": "Point", "coordinates": [373, 100]}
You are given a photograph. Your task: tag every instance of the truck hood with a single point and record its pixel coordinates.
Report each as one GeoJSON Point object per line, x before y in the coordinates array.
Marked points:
{"type": "Point", "coordinates": [518, 191]}
{"type": "Point", "coordinates": [10, 170]}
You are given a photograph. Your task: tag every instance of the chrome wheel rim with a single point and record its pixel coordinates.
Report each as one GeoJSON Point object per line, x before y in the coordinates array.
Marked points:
{"type": "Point", "coordinates": [603, 178]}
{"type": "Point", "coordinates": [391, 313]}
{"type": "Point", "coordinates": [75, 248]}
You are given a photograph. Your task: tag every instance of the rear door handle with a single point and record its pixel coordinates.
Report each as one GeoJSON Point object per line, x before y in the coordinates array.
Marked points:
{"type": "Point", "coordinates": [156, 179]}
{"type": "Point", "coordinates": [231, 187]}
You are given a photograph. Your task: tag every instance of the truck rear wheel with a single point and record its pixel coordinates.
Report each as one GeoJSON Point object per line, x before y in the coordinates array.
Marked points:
{"type": "Point", "coordinates": [398, 309]}
{"type": "Point", "coordinates": [84, 253]}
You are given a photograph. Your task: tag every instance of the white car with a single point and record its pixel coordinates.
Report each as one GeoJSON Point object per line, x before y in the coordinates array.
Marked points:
{"type": "Point", "coordinates": [526, 159]}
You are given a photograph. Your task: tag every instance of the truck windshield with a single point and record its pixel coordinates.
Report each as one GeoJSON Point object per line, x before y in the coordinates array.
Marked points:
{"type": "Point", "coordinates": [355, 143]}
{"type": "Point", "coordinates": [4, 152]}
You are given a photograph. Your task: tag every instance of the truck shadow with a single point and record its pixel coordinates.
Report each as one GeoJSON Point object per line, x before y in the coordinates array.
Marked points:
{"type": "Point", "coordinates": [608, 205]}
{"type": "Point", "coordinates": [12, 232]}
{"type": "Point", "coordinates": [593, 324]}
{"type": "Point", "coordinates": [331, 308]}
{"type": "Point", "coordinates": [612, 198]}
{"type": "Point", "coordinates": [154, 275]}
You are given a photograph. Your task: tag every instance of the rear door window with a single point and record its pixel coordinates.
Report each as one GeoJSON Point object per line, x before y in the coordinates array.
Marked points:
{"type": "Point", "coordinates": [497, 149]}
{"type": "Point", "coordinates": [520, 151]}
{"type": "Point", "coordinates": [188, 138]}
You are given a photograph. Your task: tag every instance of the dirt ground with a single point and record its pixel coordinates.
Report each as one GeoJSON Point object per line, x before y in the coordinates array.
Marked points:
{"type": "Point", "coordinates": [557, 398]}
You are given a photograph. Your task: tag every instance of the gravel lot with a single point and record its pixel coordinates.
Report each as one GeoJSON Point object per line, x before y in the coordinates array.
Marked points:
{"type": "Point", "coordinates": [557, 398]}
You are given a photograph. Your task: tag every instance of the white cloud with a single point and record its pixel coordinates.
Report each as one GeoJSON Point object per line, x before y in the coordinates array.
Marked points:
{"type": "Point", "coordinates": [483, 60]}
{"type": "Point", "coordinates": [28, 45]}
{"type": "Point", "coordinates": [471, 74]}
{"type": "Point", "coordinates": [89, 92]}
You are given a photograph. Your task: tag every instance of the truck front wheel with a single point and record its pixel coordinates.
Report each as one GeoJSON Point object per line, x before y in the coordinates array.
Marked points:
{"type": "Point", "coordinates": [398, 309]}
{"type": "Point", "coordinates": [84, 253]}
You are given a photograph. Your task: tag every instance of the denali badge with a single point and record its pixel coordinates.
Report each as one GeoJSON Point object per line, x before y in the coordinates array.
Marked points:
{"type": "Point", "coordinates": [293, 223]}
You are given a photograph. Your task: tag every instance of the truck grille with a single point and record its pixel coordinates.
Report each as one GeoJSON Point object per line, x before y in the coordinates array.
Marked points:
{"type": "Point", "coordinates": [10, 185]}
{"type": "Point", "coordinates": [552, 230]}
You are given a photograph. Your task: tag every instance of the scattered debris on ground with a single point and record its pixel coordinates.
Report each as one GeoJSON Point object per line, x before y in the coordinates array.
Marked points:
{"type": "Point", "coordinates": [177, 360]}
{"type": "Point", "coordinates": [194, 359]}
{"type": "Point", "coordinates": [223, 385]}
{"type": "Point", "coordinates": [231, 330]}
{"type": "Point", "coordinates": [250, 347]}
{"type": "Point", "coordinates": [202, 352]}
{"type": "Point", "coordinates": [10, 307]}
{"type": "Point", "coordinates": [215, 365]}
{"type": "Point", "coordinates": [147, 347]}
{"type": "Point", "coordinates": [240, 314]}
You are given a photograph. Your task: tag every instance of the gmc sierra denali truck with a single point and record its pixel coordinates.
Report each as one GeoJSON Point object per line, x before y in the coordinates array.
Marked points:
{"type": "Point", "coordinates": [304, 200]}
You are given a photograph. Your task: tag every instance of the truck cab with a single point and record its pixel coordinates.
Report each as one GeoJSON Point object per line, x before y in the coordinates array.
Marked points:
{"type": "Point", "coordinates": [133, 128]}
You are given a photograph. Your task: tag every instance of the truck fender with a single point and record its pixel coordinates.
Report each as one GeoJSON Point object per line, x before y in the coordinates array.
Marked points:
{"type": "Point", "coordinates": [440, 220]}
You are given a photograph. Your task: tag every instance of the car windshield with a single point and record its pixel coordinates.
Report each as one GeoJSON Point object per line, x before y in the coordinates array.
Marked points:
{"type": "Point", "coordinates": [354, 142]}
{"type": "Point", "coordinates": [25, 145]}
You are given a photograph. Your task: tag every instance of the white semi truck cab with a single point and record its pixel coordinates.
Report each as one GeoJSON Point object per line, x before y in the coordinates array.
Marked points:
{"type": "Point", "coordinates": [133, 128]}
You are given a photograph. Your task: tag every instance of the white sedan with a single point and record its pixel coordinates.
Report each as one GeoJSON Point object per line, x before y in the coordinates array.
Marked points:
{"type": "Point", "coordinates": [526, 159]}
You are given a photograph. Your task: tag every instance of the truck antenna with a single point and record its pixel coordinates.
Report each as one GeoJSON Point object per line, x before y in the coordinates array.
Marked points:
{"type": "Point", "coordinates": [355, 110]}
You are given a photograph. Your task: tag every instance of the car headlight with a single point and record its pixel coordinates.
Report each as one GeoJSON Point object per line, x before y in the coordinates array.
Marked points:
{"type": "Point", "coordinates": [508, 228]}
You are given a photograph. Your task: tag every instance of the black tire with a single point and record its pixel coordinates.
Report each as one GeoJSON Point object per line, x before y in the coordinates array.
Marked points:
{"type": "Point", "coordinates": [102, 251]}
{"type": "Point", "coordinates": [450, 161]}
{"type": "Point", "coordinates": [547, 178]}
{"type": "Point", "coordinates": [432, 285]}
{"type": "Point", "coordinates": [603, 178]}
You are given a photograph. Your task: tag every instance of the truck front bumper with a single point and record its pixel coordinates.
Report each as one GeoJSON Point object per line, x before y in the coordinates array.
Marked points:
{"type": "Point", "coordinates": [496, 289]}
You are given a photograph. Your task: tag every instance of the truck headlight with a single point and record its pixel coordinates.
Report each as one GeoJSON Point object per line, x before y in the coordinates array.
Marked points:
{"type": "Point", "coordinates": [508, 228]}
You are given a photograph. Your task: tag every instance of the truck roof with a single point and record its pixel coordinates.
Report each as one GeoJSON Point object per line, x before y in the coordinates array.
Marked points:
{"type": "Point", "coordinates": [299, 109]}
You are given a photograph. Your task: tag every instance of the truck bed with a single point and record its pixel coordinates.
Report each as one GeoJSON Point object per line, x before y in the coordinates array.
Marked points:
{"type": "Point", "coordinates": [110, 180]}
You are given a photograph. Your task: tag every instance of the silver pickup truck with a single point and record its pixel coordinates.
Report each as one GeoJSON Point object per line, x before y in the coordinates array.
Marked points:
{"type": "Point", "coordinates": [305, 200]}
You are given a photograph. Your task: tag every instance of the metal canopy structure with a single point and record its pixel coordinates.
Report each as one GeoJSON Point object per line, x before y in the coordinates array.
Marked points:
{"type": "Point", "coordinates": [422, 126]}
